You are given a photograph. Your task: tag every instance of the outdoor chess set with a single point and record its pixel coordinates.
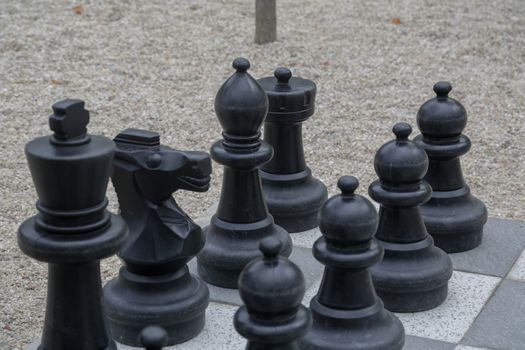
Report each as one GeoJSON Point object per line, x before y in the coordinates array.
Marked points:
{"type": "Point", "coordinates": [277, 264]}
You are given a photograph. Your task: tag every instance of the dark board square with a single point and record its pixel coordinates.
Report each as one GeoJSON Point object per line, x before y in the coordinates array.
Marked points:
{"type": "Point", "coordinates": [503, 242]}
{"type": "Point", "coordinates": [500, 323]}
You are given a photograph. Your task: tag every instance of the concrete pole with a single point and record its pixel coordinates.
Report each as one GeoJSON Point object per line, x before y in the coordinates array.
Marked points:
{"type": "Point", "coordinates": [265, 21]}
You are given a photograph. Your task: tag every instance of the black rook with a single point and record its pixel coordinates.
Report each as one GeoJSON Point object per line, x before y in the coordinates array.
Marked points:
{"type": "Point", "coordinates": [293, 195]}
{"type": "Point", "coordinates": [453, 216]}
{"type": "Point", "coordinates": [242, 219]}
{"type": "Point", "coordinates": [413, 275]}
{"type": "Point", "coordinates": [155, 286]}
{"type": "Point", "coordinates": [72, 230]}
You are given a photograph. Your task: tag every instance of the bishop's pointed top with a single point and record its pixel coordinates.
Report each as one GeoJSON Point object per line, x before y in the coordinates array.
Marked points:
{"type": "Point", "coordinates": [241, 64]}
{"type": "Point", "coordinates": [241, 104]}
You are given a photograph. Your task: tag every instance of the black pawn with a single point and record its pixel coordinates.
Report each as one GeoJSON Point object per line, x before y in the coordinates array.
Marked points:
{"type": "Point", "coordinates": [346, 311]}
{"type": "Point", "coordinates": [242, 219]}
{"type": "Point", "coordinates": [72, 230]}
{"type": "Point", "coordinates": [453, 216]}
{"type": "Point", "coordinates": [153, 338]}
{"type": "Point", "coordinates": [154, 286]}
{"type": "Point", "coordinates": [272, 288]}
{"type": "Point", "coordinates": [413, 275]}
{"type": "Point", "coordinates": [293, 195]}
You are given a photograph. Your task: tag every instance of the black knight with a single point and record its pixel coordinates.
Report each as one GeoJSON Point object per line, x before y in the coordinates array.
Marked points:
{"type": "Point", "coordinates": [155, 286]}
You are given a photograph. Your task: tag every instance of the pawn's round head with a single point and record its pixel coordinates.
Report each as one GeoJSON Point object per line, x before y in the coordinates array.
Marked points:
{"type": "Point", "coordinates": [271, 285]}
{"type": "Point", "coordinates": [153, 337]}
{"type": "Point", "coordinates": [348, 218]}
{"type": "Point", "coordinates": [401, 161]}
{"type": "Point", "coordinates": [441, 116]}
{"type": "Point", "coordinates": [241, 104]}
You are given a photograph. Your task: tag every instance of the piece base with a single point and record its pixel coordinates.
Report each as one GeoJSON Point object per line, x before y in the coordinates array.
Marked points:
{"type": "Point", "coordinates": [294, 200]}
{"type": "Point", "coordinates": [455, 220]}
{"type": "Point", "coordinates": [457, 243]}
{"type": "Point", "coordinates": [412, 277]}
{"type": "Point", "coordinates": [231, 246]}
{"type": "Point", "coordinates": [415, 301]}
{"type": "Point", "coordinates": [176, 302]}
{"type": "Point", "coordinates": [372, 328]}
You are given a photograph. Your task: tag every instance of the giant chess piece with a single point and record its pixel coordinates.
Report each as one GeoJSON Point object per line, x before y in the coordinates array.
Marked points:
{"type": "Point", "coordinates": [293, 195]}
{"type": "Point", "coordinates": [242, 219]}
{"type": "Point", "coordinates": [413, 275]}
{"type": "Point", "coordinates": [272, 288]}
{"type": "Point", "coordinates": [452, 216]}
{"type": "Point", "coordinates": [346, 311]}
{"type": "Point", "coordinates": [72, 230]}
{"type": "Point", "coordinates": [155, 286]}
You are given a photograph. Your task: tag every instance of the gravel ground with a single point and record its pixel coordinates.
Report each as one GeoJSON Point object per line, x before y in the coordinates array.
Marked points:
{"type": "Point", "coordinates": [158, 64]}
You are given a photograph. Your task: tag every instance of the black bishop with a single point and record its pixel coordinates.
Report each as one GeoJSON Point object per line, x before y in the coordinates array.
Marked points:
{"type": "Point", "coordinates": [242, 220]}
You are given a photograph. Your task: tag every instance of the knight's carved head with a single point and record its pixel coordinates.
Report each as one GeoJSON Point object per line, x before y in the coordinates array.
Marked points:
{"type": "Point", "coordinates": [159, 170]}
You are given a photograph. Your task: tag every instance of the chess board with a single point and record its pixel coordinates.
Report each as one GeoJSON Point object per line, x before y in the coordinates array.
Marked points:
{"type": "Point", "coordinates": [485, 308]}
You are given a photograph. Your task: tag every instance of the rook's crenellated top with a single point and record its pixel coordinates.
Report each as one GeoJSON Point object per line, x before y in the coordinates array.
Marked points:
{"type": "Point", "coordinates": [291, 99]}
